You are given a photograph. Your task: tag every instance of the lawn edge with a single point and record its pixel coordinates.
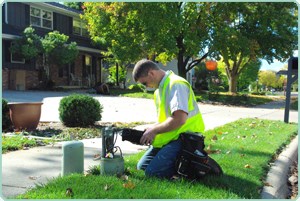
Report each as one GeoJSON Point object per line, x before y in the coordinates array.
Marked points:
{"type": "Point", "coordinates": [277, 175]}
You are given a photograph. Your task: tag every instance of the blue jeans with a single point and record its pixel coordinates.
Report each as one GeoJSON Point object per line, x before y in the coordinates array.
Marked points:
{"type": "Point", "coordinates": [160, 162]}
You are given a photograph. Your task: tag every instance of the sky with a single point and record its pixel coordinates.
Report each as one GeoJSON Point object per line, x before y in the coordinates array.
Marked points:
{"type": "Point", "coordinates": [276, 65]}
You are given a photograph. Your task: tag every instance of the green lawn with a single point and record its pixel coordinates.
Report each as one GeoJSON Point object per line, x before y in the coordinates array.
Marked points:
{"type": "Point", "coordinates": [222, 98]}
{"type": "Point", "coordinates": [244, 149]}
{"type": "Point", "coordinates": [13, 143]}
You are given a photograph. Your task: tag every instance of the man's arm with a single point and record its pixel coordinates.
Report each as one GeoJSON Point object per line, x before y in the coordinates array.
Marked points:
{"type": "Point", "coordinates": [177, 119]}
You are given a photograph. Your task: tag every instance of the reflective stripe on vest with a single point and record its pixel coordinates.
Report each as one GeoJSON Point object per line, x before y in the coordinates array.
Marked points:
{"type": "Point", "coordinates": [194, 123]}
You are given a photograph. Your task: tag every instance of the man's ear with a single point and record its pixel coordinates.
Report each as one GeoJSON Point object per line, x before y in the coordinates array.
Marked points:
{"type": "Point", "coordinates": [151, 73]}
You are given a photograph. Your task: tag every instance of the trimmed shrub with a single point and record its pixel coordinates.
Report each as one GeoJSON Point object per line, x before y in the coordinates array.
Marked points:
{"type": "Point", "coordinates": [6, 122]}
{"type": "Point", "coordinates": [79, 110]}
{"type": "Point", "coordinates": [137, 87]}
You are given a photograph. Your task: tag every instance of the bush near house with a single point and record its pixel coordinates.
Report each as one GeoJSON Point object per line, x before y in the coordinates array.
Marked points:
{"type": "Point", "coordinates": [79, 110]}
{"type": "Point", "coordinates": [6, 122]}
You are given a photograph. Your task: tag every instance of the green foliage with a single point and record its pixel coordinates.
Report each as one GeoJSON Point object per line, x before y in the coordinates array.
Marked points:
{"type": "Point", "coordinates": [240, 32]}
{"type": "Point", "coordinates": [57, 48]}
{"type": "Point", "coordinates": [137, 87]}
{"type": "Point", "coordinates": [248, 75]}
{"type": "Point", "coordinates": [79, 110]}
{"type": "Point", "coordinates": [243, 148]}
{"type": "Point", "coordinates": [214, 81]}
{"type": "Point", "coordinates": [6, 122]}
{"type": "Point", "coordinates": [94, 170]}
{"type": "Point", "coordinates": [131, 30]}
{"type": "Point", "coordinates": [269, 79]}
{"type": "Point", "coordinates": [74, 5]}
{"type": "Point", "coordinates": [16, 143]}
{"type": "Point", "coordinates": [77, 133]}
{"type": "Point", "coordinates": [29, 45]}
{"type": "Point", "coordinates": [243, 32]}
{"type": "Point", "coordinates": [122, 74]}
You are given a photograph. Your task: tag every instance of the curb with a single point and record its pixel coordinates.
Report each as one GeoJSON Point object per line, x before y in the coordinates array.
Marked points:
{"type": "Point", "coordinates": [277, 177]}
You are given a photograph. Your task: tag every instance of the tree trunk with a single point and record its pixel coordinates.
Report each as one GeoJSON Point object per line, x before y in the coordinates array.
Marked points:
{"type": "Point", "coordinates": [181, 67]}
{"type": "Point", "coordinates": [180, 58]}
{"type": "Point", "coordinates": [233, 83]}
{"type": "Point", "coordinates": [117, 74]}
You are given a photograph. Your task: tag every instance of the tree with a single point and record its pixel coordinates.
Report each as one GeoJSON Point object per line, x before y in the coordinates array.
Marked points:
{"type": "Point", "coordinates": [74, 5]}
{"type": "Point", "coordinates": [57, 50]}
{"type": "Point", "coordinates": [245, 32]}
{"type": "Point", "coordinates": [160, 31]}
{"type": "Point", "coordinates": [190, 32]}
{"type": "Point", "coordinates": [29, 45]}
{"type": "Point", "coordinates": [269, 79]}
{"type": "Point", "coordinates": [249, 74]}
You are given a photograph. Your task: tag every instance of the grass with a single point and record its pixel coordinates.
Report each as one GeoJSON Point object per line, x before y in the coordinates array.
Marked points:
{"type": "Point", "coordinates": [244, 149]}
{"type": "Point", "coordinates": [22, 140]}
{"type": "Point", "coordinates": [13, 143]}
{"type": "Point", "coordinates": [223, 98]}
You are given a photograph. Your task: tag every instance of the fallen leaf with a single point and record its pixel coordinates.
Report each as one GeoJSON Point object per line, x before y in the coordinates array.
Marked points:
{"type": "Point", "coordinates": [220, 132]}
{"type": "Point", "coordinates": [248, 166]}
{"type": "Point", "coordinates": [253, 136]}
{"type": "Point", "coordinates": [69, 192]}
{"type": "Point", "coordinates": [97, 157]}
{"type": "Point", "coordinates": [267, 184]}
{"type": "Point", "coordinates": [107, 187]}
{"type": "Point", "coordinates": [214, 138]}
{"type": "Point", "coordinates": [216, 151]}
{"type": "Point", "coordinates": [129, 185]}
{"type": "Point", "coordinates": [124, 177]}
{"type": "Point", "coordinates": [33, 177]}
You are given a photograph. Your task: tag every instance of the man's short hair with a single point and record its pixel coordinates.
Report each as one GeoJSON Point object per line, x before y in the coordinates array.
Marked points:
{"type": "Point", "coordinates": [142, 68]}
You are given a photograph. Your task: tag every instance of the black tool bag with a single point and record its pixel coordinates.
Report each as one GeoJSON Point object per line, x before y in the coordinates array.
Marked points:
{"type": "Point", "coordinates": [193, 162]}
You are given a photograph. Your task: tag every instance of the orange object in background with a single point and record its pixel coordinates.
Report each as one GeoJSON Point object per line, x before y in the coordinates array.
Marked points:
{"type": "Point", "coordinates": [211, 65]}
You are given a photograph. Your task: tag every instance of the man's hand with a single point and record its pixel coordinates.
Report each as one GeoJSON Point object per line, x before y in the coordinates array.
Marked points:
{"type": "Point", "coordinates": [177, 119]}
{"type": "Point", "coordinates": [148, 136]}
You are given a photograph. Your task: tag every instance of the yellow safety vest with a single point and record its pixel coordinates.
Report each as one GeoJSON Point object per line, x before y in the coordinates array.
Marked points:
{"type": "Point", "coordinates": [194, 123]}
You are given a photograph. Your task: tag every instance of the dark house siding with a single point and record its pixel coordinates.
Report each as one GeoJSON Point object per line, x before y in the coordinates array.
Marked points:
{"type": "Point", "coordinates": [62, 23]}
{"type": "Point", "coordinates": [16, 14]}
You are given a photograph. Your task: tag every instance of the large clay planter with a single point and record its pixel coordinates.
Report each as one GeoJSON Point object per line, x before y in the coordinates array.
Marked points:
{"type": "Point", "coordinates": [25, 116]}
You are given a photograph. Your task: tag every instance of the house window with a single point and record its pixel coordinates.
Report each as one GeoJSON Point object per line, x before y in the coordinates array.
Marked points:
{"type": "Point", "coordinates": [17, 58]}
{"type": "Point", "coordinates": [79, 28]}
{"type": "Point", "coordinates": [41, 18]}
{"type": "Point", "coordinates": [87, 66]}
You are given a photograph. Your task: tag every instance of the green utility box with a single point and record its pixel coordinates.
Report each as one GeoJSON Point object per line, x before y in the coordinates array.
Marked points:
{"type": "Point", "coordinates": [112, 166]}
{"type": "Point", "coordinates": [72, 158]}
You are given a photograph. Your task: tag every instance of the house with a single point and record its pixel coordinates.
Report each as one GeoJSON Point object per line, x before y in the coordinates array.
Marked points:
{"type": "Point", "coordinates": [44, 17]}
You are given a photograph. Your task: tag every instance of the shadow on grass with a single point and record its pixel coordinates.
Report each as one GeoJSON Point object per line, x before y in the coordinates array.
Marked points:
{"type": "Point", "coordinates": [241, 187]}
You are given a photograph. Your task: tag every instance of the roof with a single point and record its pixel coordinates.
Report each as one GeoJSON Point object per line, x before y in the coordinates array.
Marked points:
{"type": "Point", "coordinates": [62, 6]}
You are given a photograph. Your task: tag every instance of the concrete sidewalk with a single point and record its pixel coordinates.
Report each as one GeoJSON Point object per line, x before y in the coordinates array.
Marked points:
{"type": "Point", "coordinates": [21, 170]}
